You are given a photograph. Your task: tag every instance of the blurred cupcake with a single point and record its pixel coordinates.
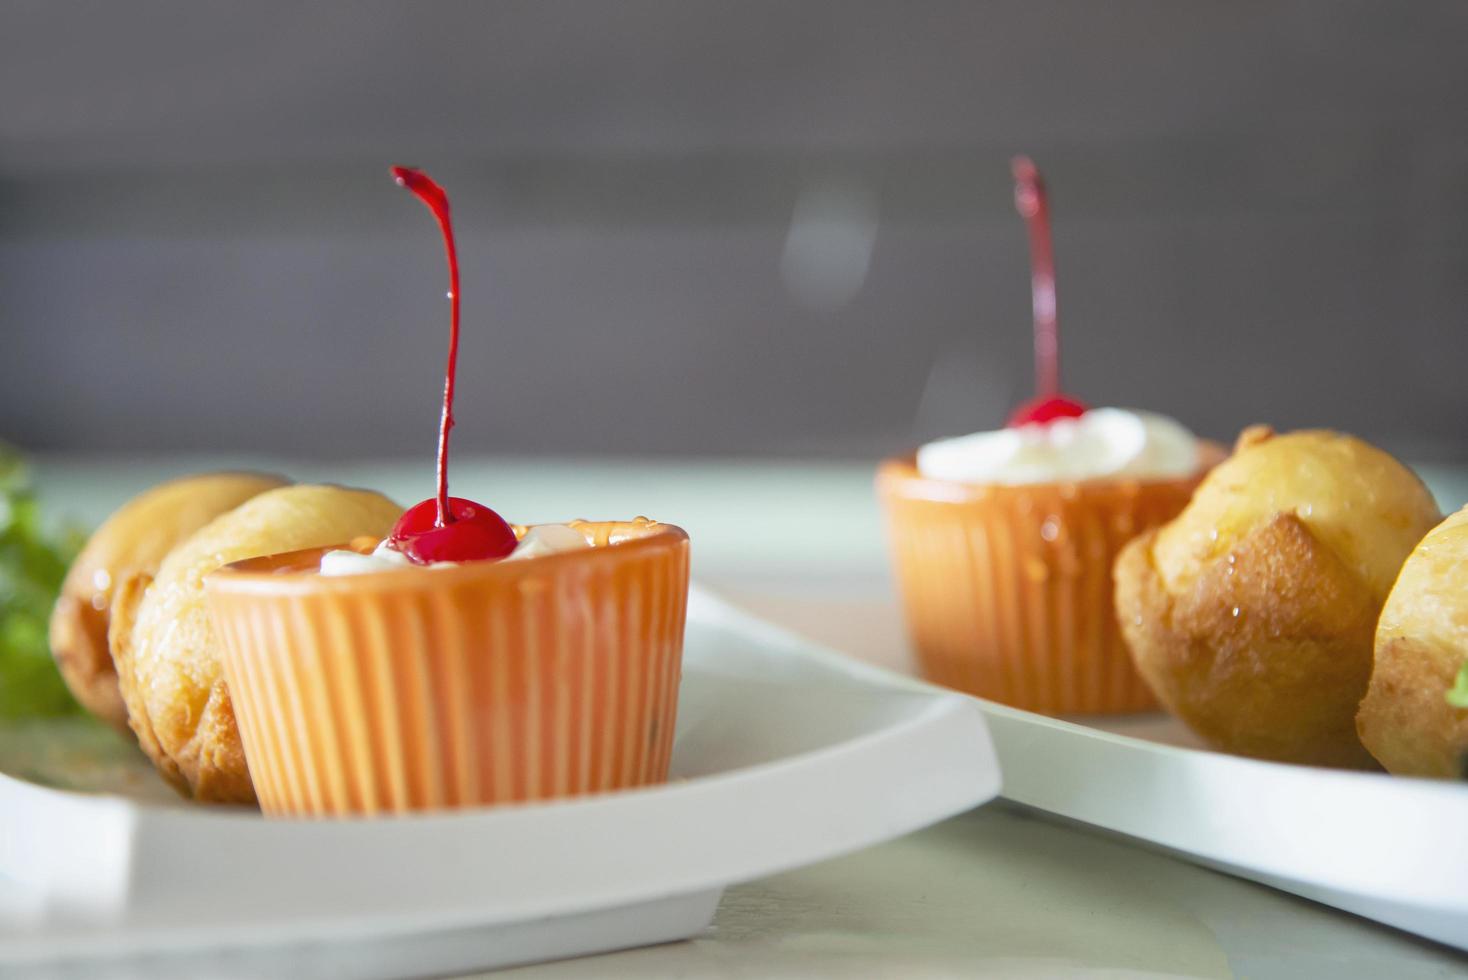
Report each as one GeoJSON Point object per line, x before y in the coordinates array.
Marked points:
{"type": "Point", "coordinates": [367, 683]}
{"type": "Point", "coordinates": [1003, 544]}
{"type": "Point", "coordinates": [1003, 541]}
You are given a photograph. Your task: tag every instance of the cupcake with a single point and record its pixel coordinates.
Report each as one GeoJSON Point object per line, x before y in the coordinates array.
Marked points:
{"type": "Point", "coordinates": [368, 683]}
{"type": "Point", "coordinates": [459, 661]}
{"type": "Point", "coordinates": [1003, 541]}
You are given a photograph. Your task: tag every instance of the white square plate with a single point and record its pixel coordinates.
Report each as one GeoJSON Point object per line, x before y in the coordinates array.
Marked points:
{"type": "Point", "coordinates": [1385, 847]}
{"type": "Point", "coordinates": [784, 755]}
{"type": "Point", "coordinates": [1388, 848]}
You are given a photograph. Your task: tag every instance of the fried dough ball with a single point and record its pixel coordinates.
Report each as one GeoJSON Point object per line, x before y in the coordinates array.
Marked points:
{"type": "Point", "coordinates": [1252, 614]}
{"type": "Point", "coordinates": [167, 656]}
{"type": "Point", "coordinates": [1406, 721]}
{"type": "Point", "coordinates": [134, 539]}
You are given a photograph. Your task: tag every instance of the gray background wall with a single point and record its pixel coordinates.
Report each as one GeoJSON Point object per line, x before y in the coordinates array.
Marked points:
{"type": "Point", "coordinates": [755, 227]}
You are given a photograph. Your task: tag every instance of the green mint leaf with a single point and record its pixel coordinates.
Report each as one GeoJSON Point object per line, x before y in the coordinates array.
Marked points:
{"type": "Point", "coordinates": [33, 563]}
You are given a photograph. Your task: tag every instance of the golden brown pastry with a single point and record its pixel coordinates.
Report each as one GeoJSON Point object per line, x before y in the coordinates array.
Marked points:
{"type": "Point", "coordinates": [164, 646]}
{"type": "Point", "coordinates": [1406, 720]}
{"type": "Point", "coordinates": [134, 539]}
{"type": "Point", "coordinates": [1252, 614]}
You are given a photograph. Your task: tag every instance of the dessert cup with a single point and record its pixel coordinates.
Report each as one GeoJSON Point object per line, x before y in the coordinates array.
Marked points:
{"type": "Point", "coordinates": [1007, 589]}
{"type": "Point", "coordinates": [487, 682]}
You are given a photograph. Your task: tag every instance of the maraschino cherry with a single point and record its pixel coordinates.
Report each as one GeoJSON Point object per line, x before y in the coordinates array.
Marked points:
{"type": "Point", "coordinates": [1048, 404]}
{"type": "Point", "coordinates": [445, 528]}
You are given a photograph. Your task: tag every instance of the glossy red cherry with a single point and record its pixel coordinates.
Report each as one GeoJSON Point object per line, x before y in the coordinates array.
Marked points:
{"type": "Point", "coordinates": [446, 528]}
{"type": "Point", "coordinates": [1031, 202]}
{"type": "Point", "coordinates": [475, 533]}
{"type": "Point", "coordinates": [1044, 410]}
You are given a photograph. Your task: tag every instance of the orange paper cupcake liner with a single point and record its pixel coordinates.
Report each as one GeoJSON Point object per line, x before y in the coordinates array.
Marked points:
{"type": "Point", "coordinates": [1007, 590]}
{"type": "Point", "coordinates": [476, 684]}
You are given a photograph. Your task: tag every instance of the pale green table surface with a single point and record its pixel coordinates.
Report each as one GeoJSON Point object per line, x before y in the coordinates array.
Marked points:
{"type": "Point", "coordinates": [995, 893]}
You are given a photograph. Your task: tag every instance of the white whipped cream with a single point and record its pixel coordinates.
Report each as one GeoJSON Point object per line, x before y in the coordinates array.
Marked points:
{"type": "Point", "coordinates": [548, 539]}
{"type": "Point", "coordinates": [542, 539]}
{"type": "Point", "coordinates": [343, 562]}
{"type": "Point", "coordinates": [1104, 442]}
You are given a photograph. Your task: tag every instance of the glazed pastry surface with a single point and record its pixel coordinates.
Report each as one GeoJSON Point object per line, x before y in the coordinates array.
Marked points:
{"type": "Point", "coordinates": [134, 540]}
{"type": "Point", "coordinates": [1355, 499]}
{"type": "Point", "coordinates": [1406, 721]}
{"type": "Point", "coordinates": [1252, 614]}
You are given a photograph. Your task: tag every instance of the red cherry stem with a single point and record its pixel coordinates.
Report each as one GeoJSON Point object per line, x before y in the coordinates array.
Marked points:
{"type": "Point", "coordinates": [1029, 198]}
{"type": "Point", "coordinates": [431, 194]}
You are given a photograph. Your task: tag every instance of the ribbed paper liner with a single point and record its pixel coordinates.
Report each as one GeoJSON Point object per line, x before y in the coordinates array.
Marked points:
{"type": "Point", "coordinates": [1007, 590]}
{"type": "Point", "coordinates": [422, 689]}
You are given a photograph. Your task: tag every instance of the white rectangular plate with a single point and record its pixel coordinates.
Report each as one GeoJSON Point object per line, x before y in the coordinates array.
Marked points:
{"type": "Point", "coordinates": [784, 755]}
{"type": "Point", "coordinates": [1384, 847]}
{"type": "Point", "coordinates": [1388, 848]}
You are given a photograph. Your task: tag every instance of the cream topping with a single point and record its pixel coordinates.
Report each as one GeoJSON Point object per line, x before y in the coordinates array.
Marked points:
{"type": "Point", "coordinates": [540, 540]}
{"type": "Point", "coordinates": [548, 539]}
{"type": "Point", "coordinates": [342, 561]}
{"type": "Point", "coordinates": [1104, 442]}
